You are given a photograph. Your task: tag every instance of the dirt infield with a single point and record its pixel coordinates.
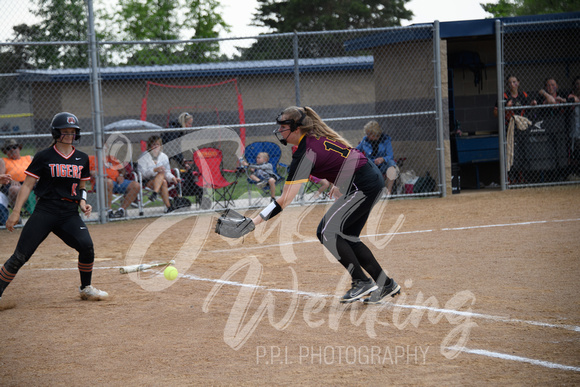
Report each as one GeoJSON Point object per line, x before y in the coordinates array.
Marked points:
{"type": "Point", "coordinates": [490, 296]}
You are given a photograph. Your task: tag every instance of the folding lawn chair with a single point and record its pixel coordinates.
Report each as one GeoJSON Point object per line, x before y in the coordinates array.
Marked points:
{"type": "Point", "coordinates": [211, 176]}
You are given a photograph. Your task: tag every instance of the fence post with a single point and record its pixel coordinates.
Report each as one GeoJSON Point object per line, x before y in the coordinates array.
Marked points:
{"type": "Point", "coordinates": [439, 107]}
{"type": "Point", "coordinates": [500, 105]}
{"type": "Point", "coordinates": [97, 115]}
{"type": "Point", "coordinates": [296, 69]}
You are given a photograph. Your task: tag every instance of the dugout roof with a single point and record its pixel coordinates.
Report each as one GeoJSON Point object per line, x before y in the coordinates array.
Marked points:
{"type": "Point", "coordinates": [453, 29]}
{"type": "Point", "coordinates": [201, 70]}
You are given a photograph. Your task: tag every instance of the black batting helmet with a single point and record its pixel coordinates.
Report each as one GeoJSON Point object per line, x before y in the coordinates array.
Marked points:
{"type": "Point", "coordinates": [65, 120]}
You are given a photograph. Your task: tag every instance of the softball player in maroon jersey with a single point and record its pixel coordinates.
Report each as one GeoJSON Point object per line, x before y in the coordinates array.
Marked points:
{"type": "Point", "coordinates": [60, 173]}
{"type": "Point", "coordinates": [358, 184]}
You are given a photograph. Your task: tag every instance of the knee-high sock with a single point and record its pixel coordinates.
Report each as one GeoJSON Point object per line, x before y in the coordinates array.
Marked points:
{"type": "Point", "coordinates": [9, 270]}
{"type": "Point", "coordinates": [86, 259]}
{"type": "Point", "coordinates": [368, 262]}
{"type": "Point", "coordinates": [348, 259]}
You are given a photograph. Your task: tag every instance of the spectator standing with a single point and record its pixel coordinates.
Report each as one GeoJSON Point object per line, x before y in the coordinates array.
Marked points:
{"type": "Point", "coordinates": [574, 97]}
{"type": "Point", "coordinates": [550, 95]}
{"type": "Point", "coordinates": [513, 96]}
{"type": "Point", "coordinates": [555, 126]}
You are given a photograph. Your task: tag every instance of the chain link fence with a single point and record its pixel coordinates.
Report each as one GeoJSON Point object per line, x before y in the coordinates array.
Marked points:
{"type": "Point", "coordinates": [541, 109]}
{"type": "Point", "coordinates": [348, 77]}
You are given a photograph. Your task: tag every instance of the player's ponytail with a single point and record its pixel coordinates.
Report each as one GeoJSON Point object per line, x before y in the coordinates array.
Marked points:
{"type": "Point", "coordinates": [312, 124]}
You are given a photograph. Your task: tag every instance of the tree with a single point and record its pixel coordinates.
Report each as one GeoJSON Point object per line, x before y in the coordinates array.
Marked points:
{"type": "Point", "coordinates": [320, 15]}
{"type": "Point", "coordinates": [12, 59]}
{"type": "Point", "coordinates": [62, 20]}
{"type": "Point", "coordinates": [505, 8]}
{"type": "Point", "coordinates": [67, 20]}
{"type": "Point", "coordinates": [330, 15]}
{"type": "Point", "coordinates": [135, 20]}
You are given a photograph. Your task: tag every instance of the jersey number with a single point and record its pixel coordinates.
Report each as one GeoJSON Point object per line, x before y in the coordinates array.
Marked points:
{"type": "Point", "coordinates": [74, 189]}
{"type": "Point", "coordinates": [344, 152]}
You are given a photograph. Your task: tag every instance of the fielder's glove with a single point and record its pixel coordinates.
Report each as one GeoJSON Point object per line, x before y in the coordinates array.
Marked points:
{"type": "Point", "coordinates": [232, 224]}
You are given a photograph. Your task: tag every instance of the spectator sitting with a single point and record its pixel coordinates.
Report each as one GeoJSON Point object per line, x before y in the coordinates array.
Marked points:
{"type": "Point", "coordinates": [187, 167]}
{"type": "Point", "coordinates": [15, 165]}
{"type": "Point", "coordinates": [514, 97]}
{"type": "Point", "coordinates": [377, 146]}
{"type": "Point", "coordinates": [116, 183]}
{"type": "Point", "coordinates": [153, 165]}
{"type": "Point", "coordinates": [185, 120]}
{"type": "Point", "coordinates": [263, 173]}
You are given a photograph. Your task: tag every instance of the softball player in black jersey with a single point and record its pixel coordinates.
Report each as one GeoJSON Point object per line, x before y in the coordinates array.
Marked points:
{"type": "Point", "coordinates": [358, 184]}
{"type": "Point", "coordinates": [60, 173]}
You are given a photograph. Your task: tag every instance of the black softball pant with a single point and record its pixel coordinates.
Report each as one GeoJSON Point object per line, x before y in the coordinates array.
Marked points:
{"type": "Point", "coordinates": [340, 228]}
{"type": "Point", "coordinates": [61, 218]}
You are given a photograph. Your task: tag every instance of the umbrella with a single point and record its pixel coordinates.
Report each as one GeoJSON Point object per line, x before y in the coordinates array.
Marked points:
{"type": "Point", "coordinates": [132, 125]}
{"type": "Point", "coordinates": [135, 130]}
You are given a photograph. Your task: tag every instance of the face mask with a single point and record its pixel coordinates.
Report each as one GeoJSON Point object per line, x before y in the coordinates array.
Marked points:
{"type": "Point", "coordinates": [293, 126]}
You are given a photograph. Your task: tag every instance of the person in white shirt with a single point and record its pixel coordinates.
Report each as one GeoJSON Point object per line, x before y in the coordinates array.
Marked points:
{"type": "Point", "coordinates": [153, 165]}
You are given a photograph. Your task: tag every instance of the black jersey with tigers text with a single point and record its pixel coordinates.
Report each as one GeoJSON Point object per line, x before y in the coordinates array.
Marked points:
{"type": "Point", "coordinates": [59, 175]}
{"type": "Point", "coordinates": [325, 159]}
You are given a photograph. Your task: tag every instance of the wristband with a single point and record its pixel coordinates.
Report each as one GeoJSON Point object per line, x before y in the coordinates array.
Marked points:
{"type": "Point", "coordinates": [84, 194]}
{"type": "Point", "coordinates": [271, 210]}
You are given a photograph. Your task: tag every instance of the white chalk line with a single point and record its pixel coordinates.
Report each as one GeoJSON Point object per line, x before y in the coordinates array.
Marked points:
{"type": "Point", "coordinates": [511, 224]}
{"type": "Point", "coordinates": [406, 306]}
{"type": "Point", "coordinates": [482, 316]}
{"type": "Point", "coordinates": [462, 313]}
{"type": "Point", "coordinates": [422, 307]}
{"type": "Point", "coordinates": [439, 310]}
{"type": "Point", "coordinates": [573, 328]}
{"type": "Point", "coordinates": [257, 247]}
{"type": "Point", "coordinates": [504, 356]}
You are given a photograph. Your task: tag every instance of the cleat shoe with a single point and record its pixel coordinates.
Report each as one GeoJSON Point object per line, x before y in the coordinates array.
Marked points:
{"type": "Point", "coordinates": [110, 214]}
{"type": "Point", "coordinates": [359, 289]}
{"type": "Point", "coordinates": [170, 209]}
{"type": "Point", "coordinates": [392, 289]}
{"type": "Point", "coordinates": [153, 196]}
{"type": "Point", "coordinates": [93, 294]}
